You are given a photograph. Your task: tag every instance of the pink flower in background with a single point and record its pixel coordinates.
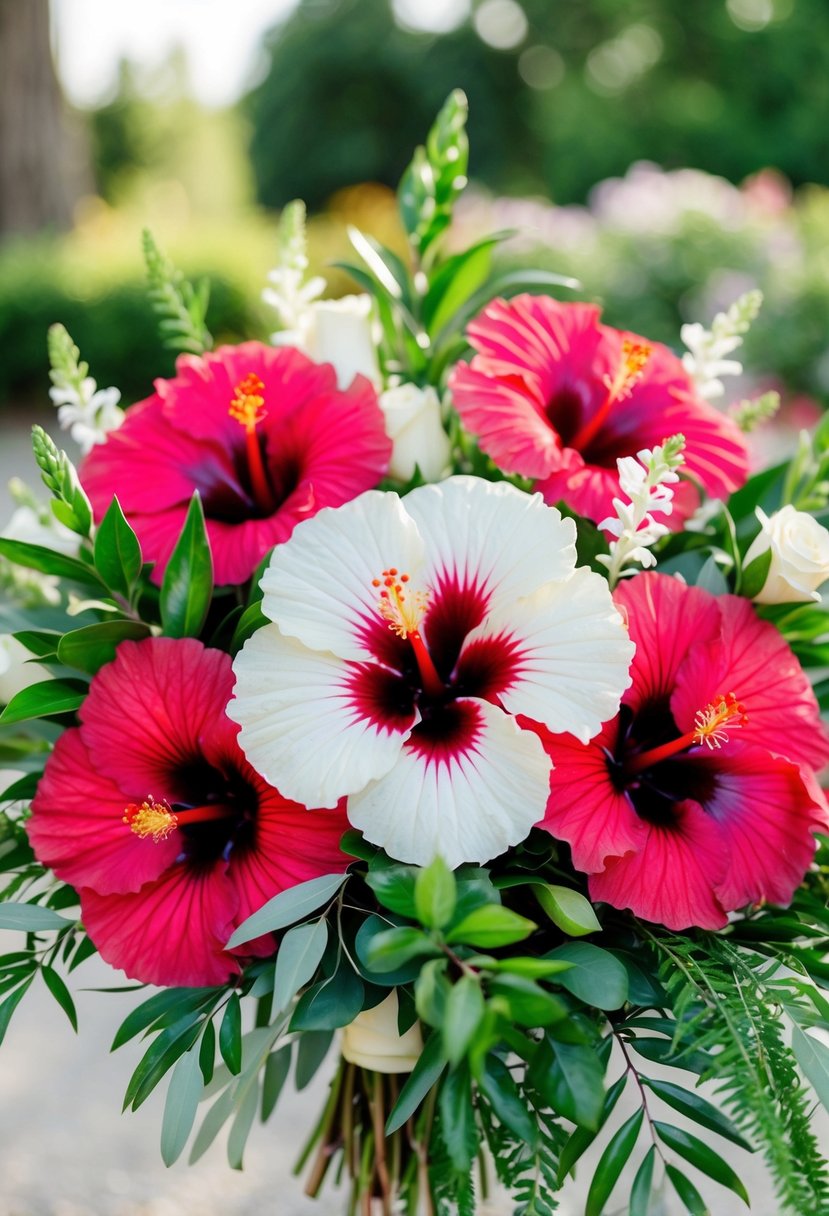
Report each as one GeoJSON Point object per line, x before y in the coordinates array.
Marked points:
{"type": "Point", "coordinates": [151, 811]}
{"type": "Point", "coordinates": [700, 797]}
{"type": "Point", "coordinates": [555, 396]}
{"type": "Point", "coordinates": [264, 435]}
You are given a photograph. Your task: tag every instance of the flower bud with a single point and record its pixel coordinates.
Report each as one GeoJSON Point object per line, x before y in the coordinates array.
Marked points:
{"type": "Point", "coordinates": [340, 332]}
{"type": "Point", "coordinates": [799, 556]}
{"type": "Point", "coordinates": [413, 423]}
{"type": "Point", "coordinates": [373, 1041]}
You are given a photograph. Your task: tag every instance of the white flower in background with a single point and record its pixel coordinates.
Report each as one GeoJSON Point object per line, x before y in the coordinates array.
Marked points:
{"type": "Point", "coordinates": [342, 332]}
{"type": "Point", "coordinates": [706, 360]}
{"type": "Point", "coordinates": [408, 635]}
{"type": "Point", "coordinates": [373, 1041]}
{"type": "Point", "coordinates": [799, 556]}
{"type": "Point", "coordinates": [289, 294]}
{"type": "Point", "coordinates": [87, 412]}
{"type": "Point", "coordinates": [414, 425]}
{"type": "Point", "coordinates": [645, 480]}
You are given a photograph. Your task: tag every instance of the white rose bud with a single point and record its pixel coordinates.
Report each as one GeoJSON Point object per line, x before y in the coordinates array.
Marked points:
{"type": "Point", "coordinates": [373, 1041]}
{"type": "Point", "coordinates": [413, 423]}
{"type": "Point", "coordinates": [799, 556]}
{"type": "Point", "coordinates": [341, 332]}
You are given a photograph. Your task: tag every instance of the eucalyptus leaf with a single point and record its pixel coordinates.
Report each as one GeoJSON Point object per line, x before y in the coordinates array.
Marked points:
{"type": "Point", "coordinates": [31, 918]}
{"type": "Point", "coordinates": [287, 908]}
{"type": "Point", "coordinates": [182, 1102]}
{"type": "Point", "coordinates": [299, 955]}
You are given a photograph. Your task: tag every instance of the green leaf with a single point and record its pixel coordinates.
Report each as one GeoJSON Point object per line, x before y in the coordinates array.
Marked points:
{"type": "Point", "coordinates": [160, 1058]}
{"type": "Point", "coordinates": [393, 947]}
{"type": "Point", "coordinates": [595, 976]}
{"type": "Point", "coordinates": [457, 1123]}
{"type": "Point", "coordinates": [491, 926]}
{"type": "Point", "coordinates": [331, 1004]}
{"type": "Point", "coordinates": [435, 895]}
{"type": "Point", "coordinates": [180, 1108]}
{"type": "Point", "coordinates": [394, 887]}
{"type": "Point", "coordinates": [47, 561]}
{"type": "Point", "coordinates": [188, 578]}
{"type": "Point", "coordinates": [703, 1158]}
{"type": "Point", "coordinates": [312, 1049]}
{"type": "Point", "coordinates": [423, 1076]}
{"type": "Point", "coordinates": [44, 699]}
{"type": "Point", "coordinates": [640, 1194]}
{"type": "Point", "coordinates": [754, 575]}
{"type": "Point", "coordinates": [611, 1164]}
{"type": "Point", "coordinates": [582, 1138]}
{"type": "Point", "coordinates": [568, 909]}
{"type": "Point", "coordinates": [299, 955]}
{"type": "Point", "coordinates": [464, 1014]}
{"type": "Point", "coordinates": [287, 908]}
{"type": "Point", "coordinates": [252, 618]}
{"type": "Point", "coordinates": [182, 999]}
{"type": "Point", "coordinates": [688, 1193]}
{"type": "Point", "coordinates": [61, 993]}
{"type": "Point", "coordinates": [242, 1124]}
{"type": "Point", "coordinates": [570, 1076]}
{"type": "Point", "coordinates": [530, 968]}
{"type": "Point", "coordinates": [505, 1099]}
{"type": "Point", "coordinates": [432, 991]}
{"type": "Point", "coordinates": [230, 1034]}
{"type": "Point", "coordinates": [8, 1006]}
{"type": "Point", "coordinates": [696, 1108]}
{"type": "Point", "coordinates": [207, 1052]}
{"type": "Point", "coordinates": [89, 648]}
{"type": "Point", "coordinates": [212, 1124]}
{"type": "Point", "coordinates": [529, 1004]}
{"type": "Point", "coordinates": [31, 918]}
{"type": "Point", "coordinates": [437, 174]}
{"type": "Point", "coordinates": [117, 551]}
{"type": "Point", "coordinates": [277, 1068]}
{"type": "Point", "coordinates": [455, 279]}
{"type": "Point", "coordinates": [813, 1057]}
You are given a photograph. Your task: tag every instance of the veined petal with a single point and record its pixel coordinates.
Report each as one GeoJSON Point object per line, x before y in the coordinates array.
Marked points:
{"type": "Point", "coordinates": [466, 795]}
{"type": "Point", "coordinates": [315, 726]}
{"type": "Point", "coordinates": [571, 654]}
{"type": "Point", "coordinates": [318, 586]}
{"type": "Point", "coordinates": [505, 541]}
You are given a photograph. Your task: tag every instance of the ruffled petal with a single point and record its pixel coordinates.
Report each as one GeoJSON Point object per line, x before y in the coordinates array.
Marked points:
{"type": "Point", "coordinates": [315, 726]}
{"type": "Point", "coordinates": [172, 931]}
{"type": "Point", "coordinates": [570, 654]}
{"type": "Point", "coordinates": [672, 879]}
{"type": "Point", "coordinates": [466, 794]}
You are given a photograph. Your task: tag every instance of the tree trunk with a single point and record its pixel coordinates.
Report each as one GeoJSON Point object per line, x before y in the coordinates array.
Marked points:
{"type": "Point", "coordinates": [37, 147]}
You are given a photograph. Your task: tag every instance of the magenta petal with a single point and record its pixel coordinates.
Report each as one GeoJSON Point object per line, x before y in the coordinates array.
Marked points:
{"type": "Point", "coordinates": [77, 826]}
{"type": "Point", "coordinates": [672, 879]}
{"type": "Point", "coordinates": [172, 931]}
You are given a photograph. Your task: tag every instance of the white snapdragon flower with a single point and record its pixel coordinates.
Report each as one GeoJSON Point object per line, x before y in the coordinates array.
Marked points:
{"type": "Point", "coordinates": [88, 413]}
{"type": "Point", "coordinates": [291, 298]}
{"type": "Point", "coordinates": [411, 637]}
{"type": "Point", "coordinates": [646, 481]}
{"type": "Point", "coordinates": [799, 556]}
{"type": "Point", "coordinates": [373, 1041]}
{"type": "Point", "coordinates": [706, 360]}
{"type": "Point", "coordinates": [414, 425]}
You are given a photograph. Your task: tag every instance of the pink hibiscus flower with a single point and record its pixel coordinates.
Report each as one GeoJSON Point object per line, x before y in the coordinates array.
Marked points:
{"type": "Point", "coordinates": [264, 435]}
{"type": "Point", "coordinates": [151, 811]}
{"type": "Point", "coordinates": [700, 796]}
{"type": "Point", "coordinates": [555, 396]}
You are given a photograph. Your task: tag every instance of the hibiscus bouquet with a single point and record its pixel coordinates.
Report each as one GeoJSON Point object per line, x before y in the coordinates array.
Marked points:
{"type": "Point", "coordinates": [432, 686]}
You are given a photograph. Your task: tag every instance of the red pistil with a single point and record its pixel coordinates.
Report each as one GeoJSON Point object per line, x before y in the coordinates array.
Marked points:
{"type": "Point", "coordinates": [709, 729]}
{"type": "Point", "coordinates": [247, 408]}
{"type": "Point", "coordinates": [634, 357]}
{"type": "Point", "coordinates": [404, 609]}
{"type": "Point", "coordinates": [432, 683]}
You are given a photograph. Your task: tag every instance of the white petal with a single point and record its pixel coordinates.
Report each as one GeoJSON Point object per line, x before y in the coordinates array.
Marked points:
{"type": "Point", "coordinates": [470, 808]}
{"type": "Point", "coordinates": [318, 587]}
{"type": "Point", "coordinates": [574, 655]}
{"type": "Point", "coordinates": [507, 541]}
{"type": "Point", "coordinates": [301, 728]}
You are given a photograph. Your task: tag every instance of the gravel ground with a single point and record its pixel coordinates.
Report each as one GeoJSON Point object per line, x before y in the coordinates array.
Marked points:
{"type": "Point", "coordinates": [64, 1149]}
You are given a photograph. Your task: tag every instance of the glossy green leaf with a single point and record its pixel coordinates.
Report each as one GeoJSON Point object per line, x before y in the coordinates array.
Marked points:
{"type": "Point", "coordinates": [394, 887]}
{"type": "Point", "coordinates": [640, 1192]}
{"type": "Point", "coordinates": [687, 1192]}
{"type": "Point", "coordinates": [183, 1000]}
{"type": "Point", "coordinates": [44, 699]}
{"type": "Point", "coordinates": [697, 1108]}
{"type": "Point", "coordinates": [393, 947]}
{"type": "Point", "coordinates": [89, 648]}
{"type": "Point", "coordinates": [10, 1003]}
{"type": "Point", "coordinates": [187, 585]}
{"type": "Point", "coordinates": [611, 1163]}
{"type": "Point", "coordinates": [298, 957]}
{"type": "Point", "coordinates": [754, 575]}
{"type": "Point", "coordinates": [56, 985]}
{"type": "Point", "coordinates": [160, 1058]}
{"type": "Point", "coordinates": [287, 908]}
{"type": "Point", "coordinates": [252, 618]}
{"type": "Point", "coordinates": [505, 1098]}
{"type": "Point", "coordinates": [47, 561]}
{"type": "Point", "coordinates": [703, 1158]}
{"type": "Point", "coordinates": [595, 976]}
{"type": "Point", "coordinates": [581, 1139]}
{"type": "Point", "coordinates": [117, 551]}
{"type": "Point", "coordinates": [180, 1108]}
{"type": "Point", "coordinates": [31, 918]}
{"type": "Point", "coordinates": [432, 990]}
{"type": "Point", "coordinates": [277, 1068]}
{"type": "Point", "coordinates": [332, 1003]}
{"type": "Point", "coordinates": [570, 1076]}
{"type": "Point", "coordinates": [529, 1004]}
{"type": "Point", "coordinates": [230, 1034]}
{"type": "Point", "coordinates": [491, 926]}
{"type": "Point", "coordinates": [464, 1014]}
{"type": "Point", "coordinates": [435, 895]}
{"type": "Point", "coordinates": [458, 1128]}
{"type": "Point", "coordinates": [312, 1048]}
{"type": "Point", "coordinates": [568, 909]}
{"type": "Point", "coordinates": [423, 1076]}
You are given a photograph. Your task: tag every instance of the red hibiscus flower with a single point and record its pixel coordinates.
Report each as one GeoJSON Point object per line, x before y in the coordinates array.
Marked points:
{"type": "Point", "coordinates": [555, 396]}
{"type": "Point", "coordinates": [700, 797]}
{"type": "Point", "coordinates": [264, 435]}
{"type": "Point", "coordinates": [151, 811]}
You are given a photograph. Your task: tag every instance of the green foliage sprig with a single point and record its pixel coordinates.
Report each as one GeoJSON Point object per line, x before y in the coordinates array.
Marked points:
{"type": "Point", "coordinates": [180, 305]}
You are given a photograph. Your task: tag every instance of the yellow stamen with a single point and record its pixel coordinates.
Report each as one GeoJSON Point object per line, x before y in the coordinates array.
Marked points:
{"type": "Point", "coordinates": [150, 818]}
{"type": "Point", "coordinates": [711, 721]}
{"type": "Point", "coordinates": [248, 403]}
{"type": "Point", "coordinates": [635, 356]}
{"type": "Point", "coordinates": [402, 608]}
